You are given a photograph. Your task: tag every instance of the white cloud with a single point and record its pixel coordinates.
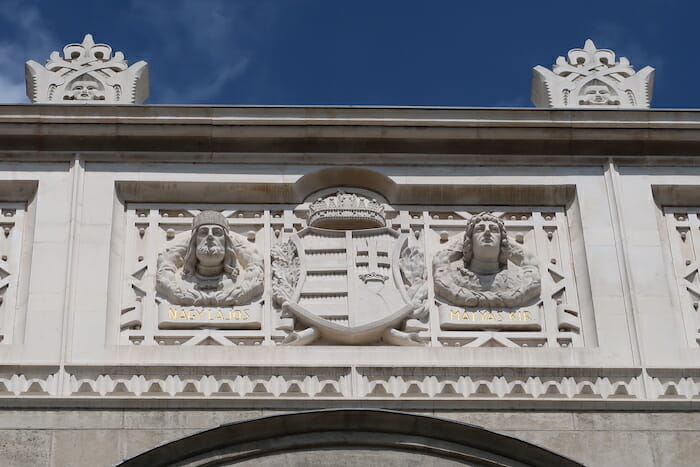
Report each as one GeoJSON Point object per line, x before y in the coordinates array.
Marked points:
{"type": "Point", "coordinates": [624, 42]}
{"type": "Point", "coordinates": [32, 40]}
{"type": "Point", "coordinates": [208, 39]}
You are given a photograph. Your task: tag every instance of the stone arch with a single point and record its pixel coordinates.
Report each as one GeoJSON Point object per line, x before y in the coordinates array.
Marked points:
{"type": "Point", "coordinates": [356, 177]}
{"type": "Point", "coordinates": [318, 434]}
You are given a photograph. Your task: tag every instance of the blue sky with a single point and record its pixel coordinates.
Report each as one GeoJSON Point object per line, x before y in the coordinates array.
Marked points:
{"type": "Point", "coordinates": [356, 52]}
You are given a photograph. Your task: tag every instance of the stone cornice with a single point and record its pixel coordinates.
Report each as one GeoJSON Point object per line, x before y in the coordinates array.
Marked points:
{"type": "Point", "coordinates": [460, 136]}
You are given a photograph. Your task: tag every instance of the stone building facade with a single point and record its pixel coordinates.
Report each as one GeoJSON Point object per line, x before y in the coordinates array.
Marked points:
{"type": "Point", "coordinates": [520, 285]}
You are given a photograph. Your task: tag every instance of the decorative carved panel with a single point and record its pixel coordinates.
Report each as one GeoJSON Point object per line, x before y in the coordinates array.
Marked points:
{"type": "Point", "coordinates": [157, 315]}
{"type": "Point", "coordinates": [684, 235]}
{"type": "Point", "coordinates": [12, 218]}
{"type": "Point", "coordinates": [400, 255]}
{"type": "Point", "coordinates": [552, 320]}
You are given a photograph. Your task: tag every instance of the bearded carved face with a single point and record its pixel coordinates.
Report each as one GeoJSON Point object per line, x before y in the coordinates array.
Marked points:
{"type": "Point", "coordinates": [85, 91]}
{"type": "Point", "coordinates": [486, 240]}
{"type": "Point", "coordinates": [211, 245]}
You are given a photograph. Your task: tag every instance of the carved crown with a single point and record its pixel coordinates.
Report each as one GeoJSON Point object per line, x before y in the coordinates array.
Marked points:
{"type": "Point", "coordinates": [87, 73]}
{"type": "Point", "coordinates": [346, 211]}
{"type": "Point", "coordinates": [591, 77]}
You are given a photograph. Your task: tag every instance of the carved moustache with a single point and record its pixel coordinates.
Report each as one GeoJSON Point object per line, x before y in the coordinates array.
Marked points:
{"type": "Point", "coordinates": [210, 250]}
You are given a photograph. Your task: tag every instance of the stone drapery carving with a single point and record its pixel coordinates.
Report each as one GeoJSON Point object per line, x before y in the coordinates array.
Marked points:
{"type": "Point", "coordinates": [591, 77]}
{"type": "Point", "coordinates": [354, 282]}
{"type": "Point", "coordinates": [485, 269]}
{"type": "Point", "coordinates": [204, 272]}
{"type": "Point", "coordinates": [87, 73]}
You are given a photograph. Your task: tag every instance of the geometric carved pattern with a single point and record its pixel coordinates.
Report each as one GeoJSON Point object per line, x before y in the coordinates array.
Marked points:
{"type": "Point", "coordinates": [684, 234]}
{"type": "Point", "coordinates": [468, 383]}
{"type": "Point", "coordinates": [678, 388]}
{"type": "Point", "coordinates": [11, 232]}
{"type": "Point", "coordinates": [256, 382]}
{"type": "Point", "coordinates": [369, 383]}
{"type": "Point", "coordinates": [333, 382]}
{"type": "Point", "coordinates": [151, 228]}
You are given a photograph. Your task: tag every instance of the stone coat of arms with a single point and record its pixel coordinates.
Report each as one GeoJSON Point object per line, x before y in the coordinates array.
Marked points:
{"type": "Point", "coordinates": [349, 279]}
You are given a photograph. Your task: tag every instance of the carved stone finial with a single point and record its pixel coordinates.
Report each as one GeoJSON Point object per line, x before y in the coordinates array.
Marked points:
{"type": "Point", "coordinates": [592, 78]}
{"type": "Point", "coordinates": [87, 73]}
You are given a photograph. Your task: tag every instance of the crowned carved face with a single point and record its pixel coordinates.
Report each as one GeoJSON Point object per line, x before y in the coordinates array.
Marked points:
{"type": "Point", "coordinates": [85, 91]}
{"type": "Point", "coordinates": [211, 245]}
{"type": "Point", "coordinates": [486, 240]}
{"type": "Point", "coordinates": [597, 94]}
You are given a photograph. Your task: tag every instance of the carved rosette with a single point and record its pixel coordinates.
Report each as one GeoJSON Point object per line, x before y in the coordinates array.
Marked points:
{"type": "Point", "coordinates": [592, 77]}
{"type": "Point", "coordinates": [87, 73]}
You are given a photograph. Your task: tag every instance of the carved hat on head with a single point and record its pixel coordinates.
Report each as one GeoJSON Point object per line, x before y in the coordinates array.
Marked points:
{"type": "Point", "coordinates": [209, 218]}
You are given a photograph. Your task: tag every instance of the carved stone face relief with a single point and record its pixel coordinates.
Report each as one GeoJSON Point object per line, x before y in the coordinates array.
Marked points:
{"type": "Point", "coordinates": [598, 93]}
{"type": "Point", "coordinates": [85, 90]}
{"type": "Point", "coordinates": [214, 268]}
{"type": "Point", "coordinates": [485, 269]}
{"type": "Point", "coordinates": [486, 244]}
{"type": "Point", "coordinates": [211, 249]}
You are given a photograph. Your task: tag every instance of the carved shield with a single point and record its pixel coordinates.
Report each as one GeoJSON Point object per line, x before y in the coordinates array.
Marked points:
{"type": "Point", "coordinates": [350, 287]}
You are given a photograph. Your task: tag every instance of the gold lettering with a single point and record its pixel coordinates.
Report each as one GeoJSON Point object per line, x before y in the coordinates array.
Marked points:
{"type": "Point", "coordinates": [246, 315]}
{"type": "Point", "coordinates": [220, 315]}
{"type": "Point", "coordinates": [512, 316]}
{"type": "Point", "coordinates": [191, 315]}
{"type": "Point", "coordinates": [172, 314]}
{"type": "Point", "coordinates": [182, 315]}
{"type": "Point", "coordinates": [454, 315]}
{"type": "Point", "coordinates": [499, 317]}
{"type": "Point", "coordinates": [527, 316]}
{"type": "Point", "coordinates": [484, 315]}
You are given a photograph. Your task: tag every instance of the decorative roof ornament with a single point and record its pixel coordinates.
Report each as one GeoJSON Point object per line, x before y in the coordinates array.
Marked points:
{"type": "Point", "coordinates": [346, 211]}
{"type": "Point", "coordinates": [87, 73]}
{"type": "Point", "coordinates": [591, 78]}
